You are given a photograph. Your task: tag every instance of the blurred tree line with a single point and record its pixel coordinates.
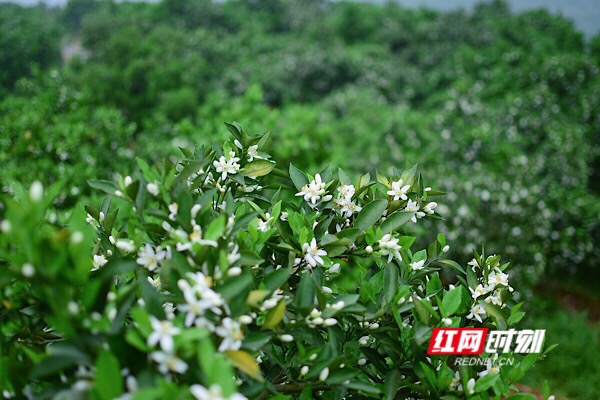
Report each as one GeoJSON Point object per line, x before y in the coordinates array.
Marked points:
{"type": "Point", "coordinates": [502, 109]}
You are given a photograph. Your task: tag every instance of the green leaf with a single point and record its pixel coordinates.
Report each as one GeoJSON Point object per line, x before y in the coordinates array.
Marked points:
{"type": "Point", "coordinates": [105, 186]}
{"type": "Point", "coordinates": [344, 179]}
{"type": "Point", "coordinates": [516, 317]}
{"type": "Point", "coordinates": [235, 131]}
{"type": "Point", "coordinates": [305, 296]}
{"type": "Point", "coordinates": [545, 390]}
{"type": "Point", "coordinates": [215, 229]}
{"type": "Point", "coordinates": [486, 382]}
{"type": "Point", "coordinates": [109, 221]}
{"type": "Point", "coordinates": [237, 286]}
{"type": "Point", "coordinates": [277, 278]}
{"type": "Point", "coordinates": [390, 282]}
{"type": "Point", "coordinates": [274, 316]}
{"type": "Point", "coordinates": [395, 221]}
{"type": "Point", "coordinates": [451, 302]}
{"type": "Point", "coordinates": [370, 214]}
{"type": "Point", "coordinates": [392, 380]}
{"type": "Point", "coordinates": [258, 168]}
{"type": "Point", "coordinates": [298, 177]}
{"type": "Point", "coordinates": [366, 387]}
{"type": "Point", "coordinates": [454, 265]}
{"type": "Point", "coordinates": [495, 312]}
{"type": "Point", "coordinates": [109, 382]}
{"type": "Point", "coordinates": [245, 363]}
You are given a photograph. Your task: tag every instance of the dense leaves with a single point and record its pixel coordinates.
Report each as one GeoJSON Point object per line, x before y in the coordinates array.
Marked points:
{"type": "Point", "coordinates": [501, 107]}
{"type": "Point", "coordinates": [205, 276]}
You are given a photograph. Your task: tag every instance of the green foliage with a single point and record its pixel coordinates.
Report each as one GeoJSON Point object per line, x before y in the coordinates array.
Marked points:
{"type": "Point", "coordinates": [215, 272]}
{"type": "Point", "coordinates": [29, 38]}
{"type": "Point", "coordinates": [579, 345]}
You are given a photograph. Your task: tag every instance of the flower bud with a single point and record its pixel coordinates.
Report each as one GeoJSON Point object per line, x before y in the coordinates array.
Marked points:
{"type": "Point", "coordinates": [324, 374]}
{"type": "Point", "coordinates": [286, 338]}
{"type": "Point", "coordinates": [28, 270]}
{"type": "Point", "coordinates": [36, 191]}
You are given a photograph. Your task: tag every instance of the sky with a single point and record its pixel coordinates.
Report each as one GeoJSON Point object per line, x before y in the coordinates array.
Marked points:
{"type": "Point", "coordinates": [585, 13]}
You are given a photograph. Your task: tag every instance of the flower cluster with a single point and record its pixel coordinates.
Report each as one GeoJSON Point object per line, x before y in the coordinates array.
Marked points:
{"type": "Point", "coordinates": [233, 293]}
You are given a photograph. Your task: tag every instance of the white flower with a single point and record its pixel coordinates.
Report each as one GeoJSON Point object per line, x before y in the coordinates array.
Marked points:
{"type": "Point", "coordinates": [330, 322]}
{"type": "Point", "coordinates": [169, 362]}
{"type": "Point", "coordinates": [199, 297]}
{"type": "Point", "coordinates": [314, 191]}
{"type": "Point", "coordinates": [127, 181]}
{"type": "Point", "coordinates": [348, 208]}
{"type": "Point", "coordinates": [346, 191]}
{"type": "Point", "coordinates": [253, 153]}
{"type": "Point", "coordinates": [455, 384]}
{"type": "Point", "coordinates": [224, 166]}
{"type": "Point", "coordinates": [417, 265]}
{"type": "Point", "coordinates": [490, 369]}
{"type": "Point", "coordinates": [364, 340]}
{"type": "Point", "coordinates": [476, 312]}
{"type": "Point", "coordinates": [398, 191]}
{"type": "Point", "coordinates": [125, 245]}
{"type": "Point", "coordinates": [187, 241]}
{"type": "Point", "coordinates": [194, 211]}
{"type": "Point", "coordinates": [430, 207]}
{"type": "Point", "coordinates": [389, 247]}
{"type": "Point", "coordinates": [412, 206]}
{"type": "Point", "coordinates": [231, 333]}
{"type": "Point", "coordinates": [335, 268]}
{"type": "Point", "coordinates": [36, 191]}
{"type": "Point", "coordinates": [312, 254]}
{"type": "Point", "coordinates": [447, 321]}
{"type": "Point", "coordinates": [149, 258]}
{"type": "Point", "coordinates": [362, 361]}
{"type": "Point", "coordinates": [480, 290]}
{"type": "Point", "coordinates": [27, 270]}
{"type": "Point", "coordinates": [6, 226]}
{"type": "Point", "coordinates": [498, 278]}
{"type": "Point", "coordinates": [152, 188]}
{"type": "Point", "coordinates": [304, 370]}
{"type": "Point", "coordinates": [234, 271]}
{"type": "Point", "coordinates": [494, 299]}
{"type": "Point", "coordinates": [445, 249]}
{"type": "Point", "coordinates": [286, 338]}
{"type": "Point", "coordinates": [173, 208]}
{"type": "Point", "coordinates": [234, 255]}
{"type": "Point", "coordinates": [263, 226]}
{"type": "Point", "coordinates": [324, 374]}
{"type": "Point", "coordinates": [213, 393]}
{"type": "Point", "coordinates": [471, 386]}
{"type": "Point", "coordinates": [162, 332]}
{"type": "Point", "coordinates": [473, 263]}
{"type": "Point", "coordinates": [98, 261]}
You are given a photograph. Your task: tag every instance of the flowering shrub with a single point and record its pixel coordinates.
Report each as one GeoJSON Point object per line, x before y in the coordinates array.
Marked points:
{"type": "Point", "coordinates": [220, 276]}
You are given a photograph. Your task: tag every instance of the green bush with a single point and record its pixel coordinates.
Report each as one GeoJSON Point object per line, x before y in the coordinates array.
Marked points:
{"type": "Point", "coordinates": [223, 273]}
{"type": "Point", "coordinates": [48, 135]}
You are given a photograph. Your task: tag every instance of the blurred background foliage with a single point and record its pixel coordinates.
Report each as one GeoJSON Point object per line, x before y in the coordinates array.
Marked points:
{"type": "Point", "coordinates": [500, 109]}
